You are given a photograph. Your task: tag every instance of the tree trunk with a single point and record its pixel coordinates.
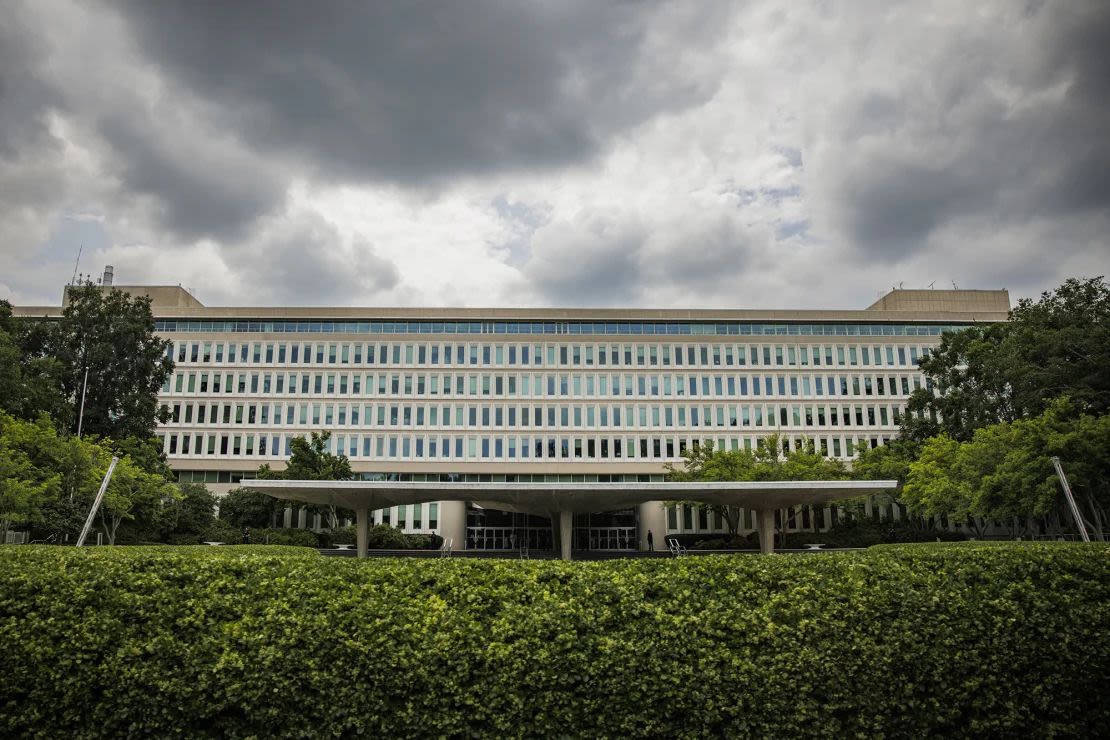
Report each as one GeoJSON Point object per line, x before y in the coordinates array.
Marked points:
{"type": "Point", "coordinates": [1098, 516]}
{"type": "Point", "coordinates": [731, 515]}
{"type": "Point", "coordinates": [110, 523]}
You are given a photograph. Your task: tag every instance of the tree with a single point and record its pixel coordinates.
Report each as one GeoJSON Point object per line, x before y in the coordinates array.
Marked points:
{"type": "Point", "coordinates": [242, 507]}
{"type": "Point", "coordinates": [30, 380]}
{"type": "Point", "coordinates": [1056, 346]}
{"type": "Point", "coordinates": [1059, 346]}
{"type": "Point", "coordinates": [967, 388]}
{"type": "Point", "coordinates": [112, 335]}
{"type": "Point", "coordinates": [885, 462]}
{"type": "Point", "coordinates": [936, 483]}
{"type": "Point", "coordinates": [311, 460]}
{"type": "Point", "coordinates": [189, 516]}
{"type": "Point", "coordinates": [1005, 471]}
{"type": "Point", "coordinates": [24, 484]}
{"type": "Point", "coordinates": [701, 462]}
{"type": "Point", "coordinates": [130, 489]}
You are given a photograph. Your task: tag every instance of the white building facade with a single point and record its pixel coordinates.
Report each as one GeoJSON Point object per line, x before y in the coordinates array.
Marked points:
{"type": "Point", "coordinates": [533, 395]}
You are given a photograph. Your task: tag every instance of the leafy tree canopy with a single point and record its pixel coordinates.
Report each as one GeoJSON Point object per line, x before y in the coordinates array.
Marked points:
{"type": "Point", "coordinates": [112, 334]}
{"type": "Point", "coordinates": [1056, 346]}
{"type": "Point", "coordinates": [1005, 470]}
{"type": "Point", "coordinates": [242, 507]}
{"type": "Point", "coordinates": [311, 460]}
{"type": "Point", "coordinates": [30, 380]}
{"type": "Point", "coordinates": [702, 462]}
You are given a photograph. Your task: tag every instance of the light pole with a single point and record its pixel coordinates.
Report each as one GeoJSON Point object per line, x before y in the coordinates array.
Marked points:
{"type": "Point", "coordinates": [81, 413]}
{"type": "Point", "coordinates": [1071, 500]}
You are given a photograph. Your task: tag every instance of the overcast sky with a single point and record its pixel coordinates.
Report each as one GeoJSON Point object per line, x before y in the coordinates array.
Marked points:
{"type": "Point", "coordinates": [559, 153]}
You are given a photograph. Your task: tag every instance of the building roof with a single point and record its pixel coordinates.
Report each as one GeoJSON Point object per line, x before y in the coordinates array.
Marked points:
{"type": "Point", "coordinates": [939, 306]}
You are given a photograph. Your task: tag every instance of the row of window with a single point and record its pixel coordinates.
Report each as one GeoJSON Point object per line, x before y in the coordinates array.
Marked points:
{"type": "Point", "coordinates": [551, 417]}
{"type": "Point", "coordinates": [496, 447]}
{"type": "Point", "coordinates": [551, 355]}
{"type": "Point", "coordinates": [234, 476]}
{"type": "Point", "coordinates": [539, 385]}
{"type": "Point", "coordinates": [585, 328]}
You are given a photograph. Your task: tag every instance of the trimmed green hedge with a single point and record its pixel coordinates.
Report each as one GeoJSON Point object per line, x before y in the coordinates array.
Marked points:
{"type": "Point", "coordinates": [264, 641]}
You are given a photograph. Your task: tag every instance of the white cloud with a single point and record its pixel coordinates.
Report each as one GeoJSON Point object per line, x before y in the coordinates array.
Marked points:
{"type": "Point", "coordinates": [799, 155]}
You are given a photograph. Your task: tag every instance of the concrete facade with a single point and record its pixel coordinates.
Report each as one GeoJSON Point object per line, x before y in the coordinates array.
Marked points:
{"type": "Point", "coordinates": [539, 396]}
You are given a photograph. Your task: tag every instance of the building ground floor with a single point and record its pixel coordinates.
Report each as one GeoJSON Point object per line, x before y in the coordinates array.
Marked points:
{"type": "Point", "coordinates": [473, 527]}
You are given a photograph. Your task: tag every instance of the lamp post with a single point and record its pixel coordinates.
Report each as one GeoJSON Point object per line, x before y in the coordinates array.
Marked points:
{"type": "Point", "coordinates": [1071, 500]}
{"type": "Point", "coordinates": [81, 413]}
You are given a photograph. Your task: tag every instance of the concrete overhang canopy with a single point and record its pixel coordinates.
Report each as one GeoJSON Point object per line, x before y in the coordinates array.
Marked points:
{"type": "Point", "coordinates": [544, 498]}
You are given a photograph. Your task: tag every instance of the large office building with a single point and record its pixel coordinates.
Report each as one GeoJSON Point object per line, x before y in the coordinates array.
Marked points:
{"type": "Point", "coordinates": [539, 395]}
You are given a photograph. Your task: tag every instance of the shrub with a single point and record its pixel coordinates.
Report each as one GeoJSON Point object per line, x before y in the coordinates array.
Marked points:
{"type": "Point", "coordinates": [919, 640]}
{"type": "Point", "coordinates": [381, 537]}
{"type": "Point", "coordinates": [297, 537]}
{"type": "Point", "coordinates": [220, 531]}
{"type": "Point", "coordinates": [338, 536]}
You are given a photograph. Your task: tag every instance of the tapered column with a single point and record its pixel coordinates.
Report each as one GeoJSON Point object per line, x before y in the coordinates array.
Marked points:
{"type": "Point", "coordinates": [566, 533]}
{"type": "Point", "coordinates": [362, 531]}
{"type": "Point", "coordinates": [452, 523]}
{"type": "Point", "coordinates": [766, 520]}
{"type": "Point", "coordinates": [653, 518]}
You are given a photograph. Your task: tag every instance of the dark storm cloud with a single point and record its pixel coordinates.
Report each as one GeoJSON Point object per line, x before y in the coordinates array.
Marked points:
{"type": "Point", "coordinates": [604, 258]}
{"type": "Point", "coordinates": [25, 101]}
{"type": "Point", "coordinates": [416, 92]}
{"type": "Point", "coordinates": [200, 191]}
{"type": "Point", "coordinates": [970, 151]}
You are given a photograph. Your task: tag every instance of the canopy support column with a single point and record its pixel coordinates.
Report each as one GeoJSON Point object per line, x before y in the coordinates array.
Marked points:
{"type": "Point", "coordinates": [566, 533]}
{"type": "Point", "coordinates": [362, 531]}
{"type": "Point", "coordinates": [766, 521]}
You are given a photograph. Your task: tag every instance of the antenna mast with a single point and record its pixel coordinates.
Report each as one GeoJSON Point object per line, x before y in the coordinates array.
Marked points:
{"type": "Point", "coordinates": [76, 264]}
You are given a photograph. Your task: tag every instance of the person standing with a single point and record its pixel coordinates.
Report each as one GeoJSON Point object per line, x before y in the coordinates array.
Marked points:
{"type": "Point", "coordinates": [651, 542]}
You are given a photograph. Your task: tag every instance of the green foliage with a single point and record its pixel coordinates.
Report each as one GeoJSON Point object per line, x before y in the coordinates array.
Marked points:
{"type": "Point", "coordinates": [1059, 345]}
{"type": "Point", "coordinates": [702, 462]}
{"type": "Point", "coordinates": [220, 531]}
{"type": "Point", "coordinates": [854, 532]}
{"type": "Point", "coordinates": [30, 380]}
{"type": "Point", "coordinates": [381, 537]}
{"type": "Point", "coordinates": [922, 641]}
{"type": "Point", "coordinates": [1005, 470]}
{"type": "Point", "coordinates": [112, 334]}
{"type": "Point", "coordinates": [184, 519]}
{"type": "Point", "coordinates": [241, 507]}
{"type": "Point", "coordinates": [310, 460]}
{"type": "Point", "coordinates": [132, 491]}
{"type": "Point", "coordinates": [24, 485]}
{"type": "Point", "coordinates": [294, 537]}
{"type": "Point", "coordinates": [1056, 346]}
{"type": "Point", "coordinates": [885, 462]}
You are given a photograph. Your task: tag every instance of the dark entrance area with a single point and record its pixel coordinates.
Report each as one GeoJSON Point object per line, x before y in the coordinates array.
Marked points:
{"type": "Point", "coordinates": [493, 529]}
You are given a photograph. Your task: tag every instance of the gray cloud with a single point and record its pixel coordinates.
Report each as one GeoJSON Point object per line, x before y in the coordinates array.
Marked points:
{"type": "Point", "coordinates": [574, 153]}
{"type": "Point", "coordinates": [417, 92]}
{"type": "Point", "coordinates": [303, 262]}
{"type": "Point", "coordinates": [591, 260]}
{"type": "Point", "coordinates": [199, 188]}
{"type": "Point", "coordinates": [1010, 126]}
